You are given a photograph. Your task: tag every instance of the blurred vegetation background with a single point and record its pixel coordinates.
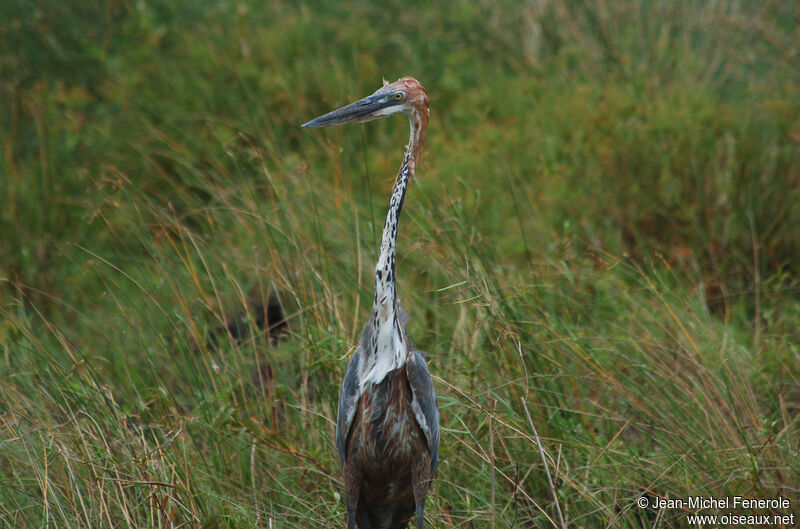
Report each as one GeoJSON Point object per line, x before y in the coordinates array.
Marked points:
{"type": "Point", "coordinates": [603, 234]}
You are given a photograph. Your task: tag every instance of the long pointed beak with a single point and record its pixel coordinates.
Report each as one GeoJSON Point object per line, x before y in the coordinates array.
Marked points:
{"type": "Point", "coordinates": [361, 110]}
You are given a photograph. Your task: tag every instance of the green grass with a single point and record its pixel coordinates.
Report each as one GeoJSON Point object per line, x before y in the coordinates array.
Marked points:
{"type": "Point", "coordinates": [603, 233]}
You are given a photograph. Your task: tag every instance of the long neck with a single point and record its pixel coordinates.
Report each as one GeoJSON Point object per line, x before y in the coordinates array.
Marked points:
{"type": "Point", "coordinates": [386, 350]}
{"type": "Point", "coordinates": [385, 278]}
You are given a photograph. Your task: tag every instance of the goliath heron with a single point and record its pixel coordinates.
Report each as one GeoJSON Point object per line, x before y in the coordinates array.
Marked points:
{"type": "Point", "coordinates": [387, 432]}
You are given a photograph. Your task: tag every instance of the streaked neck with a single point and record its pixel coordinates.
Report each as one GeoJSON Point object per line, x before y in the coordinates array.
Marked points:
{"type": "Point", "coordinates": [385, 276]}
{"type": "Point", "coordinates": [387, 350]}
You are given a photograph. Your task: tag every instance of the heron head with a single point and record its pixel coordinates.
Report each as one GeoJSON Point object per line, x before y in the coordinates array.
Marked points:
{"type": "Point", "coordinates": [404, 96]}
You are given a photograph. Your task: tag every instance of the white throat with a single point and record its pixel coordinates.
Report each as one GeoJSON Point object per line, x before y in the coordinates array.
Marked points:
{"type": "Point", "coordinates": [390, 354]}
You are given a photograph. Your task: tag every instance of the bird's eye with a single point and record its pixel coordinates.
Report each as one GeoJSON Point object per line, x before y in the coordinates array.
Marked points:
{"type": "Point", "coordinates": [398, 96]}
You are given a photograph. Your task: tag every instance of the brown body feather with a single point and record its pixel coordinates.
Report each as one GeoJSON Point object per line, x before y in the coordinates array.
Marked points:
{"type": "Point", "coordinates": [388, 459]}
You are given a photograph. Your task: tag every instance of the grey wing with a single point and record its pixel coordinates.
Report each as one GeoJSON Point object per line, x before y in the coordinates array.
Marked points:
{"type": "Point", "coordinates": [426, 410]}
{"type": "Point", "coordinates": [348, 401]}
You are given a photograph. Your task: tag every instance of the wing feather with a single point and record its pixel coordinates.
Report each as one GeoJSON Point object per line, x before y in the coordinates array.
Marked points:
{"type": "Point", "coordinates": [424, 403]}
{"type": "Point", "coordinates": [348, 402]}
